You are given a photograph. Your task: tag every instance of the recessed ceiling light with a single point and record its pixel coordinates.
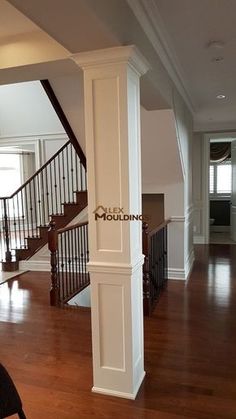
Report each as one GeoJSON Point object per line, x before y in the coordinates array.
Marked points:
{"type": "Point", "coordinates": [215, 44]}
{"type": "Point", "coordinates": [217, 59]}
{"type": "Point", "coordinates": [220, 97]}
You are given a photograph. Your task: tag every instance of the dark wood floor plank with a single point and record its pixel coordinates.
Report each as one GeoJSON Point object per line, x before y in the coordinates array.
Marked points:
{"type": "Point", "coordinates": [190, 346]}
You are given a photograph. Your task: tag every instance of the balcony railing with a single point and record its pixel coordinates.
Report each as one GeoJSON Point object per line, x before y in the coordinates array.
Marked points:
{"type": "Point", "coordinates": [155, 266]}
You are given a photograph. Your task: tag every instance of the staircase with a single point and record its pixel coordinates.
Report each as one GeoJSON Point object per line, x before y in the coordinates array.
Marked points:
{"type": "Point", "coordinates": [56, 192]}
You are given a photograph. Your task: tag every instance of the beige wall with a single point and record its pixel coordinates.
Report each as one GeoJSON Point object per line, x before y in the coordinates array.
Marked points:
{"type": "Point", "coordinates": [153, 208]}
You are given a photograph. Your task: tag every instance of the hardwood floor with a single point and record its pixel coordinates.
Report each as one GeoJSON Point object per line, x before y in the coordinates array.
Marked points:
{"type": "Point", "coordinates": [190, 346]}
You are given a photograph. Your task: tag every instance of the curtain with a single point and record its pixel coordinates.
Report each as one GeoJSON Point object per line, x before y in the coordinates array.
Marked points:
{"type": "Point", "coordinates": [220, 152]}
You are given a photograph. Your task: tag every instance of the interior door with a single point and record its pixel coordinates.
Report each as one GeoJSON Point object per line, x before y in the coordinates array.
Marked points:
{"type": "Point", "coordinates": [233, 196]}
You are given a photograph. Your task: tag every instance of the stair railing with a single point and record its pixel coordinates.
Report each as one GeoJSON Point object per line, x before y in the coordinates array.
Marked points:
{"type": "Point", "coordinates": [69, 257]}
{"type": "Point", "coordinates": [30, 207]}
{"type": "Point", "coordinates": [155, 267]}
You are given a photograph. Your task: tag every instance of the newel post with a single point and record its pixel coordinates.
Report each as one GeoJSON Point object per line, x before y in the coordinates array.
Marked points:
{"type": "Point", "coordinates": [53, 246]}
{"type": "Point", "coordinates": [146, 277]}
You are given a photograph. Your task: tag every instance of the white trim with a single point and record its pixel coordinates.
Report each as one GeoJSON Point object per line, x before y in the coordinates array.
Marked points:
{"type": "Point", "coordinates": [127, 54]}
{"type": "Point", "coordinates": [121, 268]}
{"type": "Point", "coordinates": [189, 264]}
{"type": "Point", "coordinates": [176, 273]}
{"type": "Point", "coordinates": [131, 396]}
{"type": "Point", "coordinates": [150, 20]}
{"type": "Point", "coordinates": [34, 137]}
{"type": "Point", "coordinates": [198, 239]}
{"type": "Point", "coordinates": [35, 265]}
{"type": "Point", "coordinates": [205, 188]}
{"type": "Point", "coordinates": [215, 228]}
{"type": "Point", "coordinates": [177, 218]}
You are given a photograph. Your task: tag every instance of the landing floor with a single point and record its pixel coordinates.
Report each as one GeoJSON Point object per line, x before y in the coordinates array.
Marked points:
{"type": "Point", "coordinates": [189, 349]}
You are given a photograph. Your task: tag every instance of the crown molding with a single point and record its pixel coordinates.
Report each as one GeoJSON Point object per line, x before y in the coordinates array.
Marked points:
{"type": "Point", "coordinates": [151, 22]}
{"type": "Point", "coordinates": [126, 54]}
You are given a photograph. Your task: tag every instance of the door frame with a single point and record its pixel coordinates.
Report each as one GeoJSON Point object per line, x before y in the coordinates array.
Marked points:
{"type": "Point", "coordinates": [205, 174]}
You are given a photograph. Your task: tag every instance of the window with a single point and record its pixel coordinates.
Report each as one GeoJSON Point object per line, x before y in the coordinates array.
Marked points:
{"type": "Point", "coordinates": [10, 180]}
{"type": "Point", "coordinates": [10, 173]}
{"type": "Point", "coordinates": [220, 177]}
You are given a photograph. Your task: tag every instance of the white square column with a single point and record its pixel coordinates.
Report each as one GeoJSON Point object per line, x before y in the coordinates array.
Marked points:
{"type": "Point", "coordinates": [112, 129]}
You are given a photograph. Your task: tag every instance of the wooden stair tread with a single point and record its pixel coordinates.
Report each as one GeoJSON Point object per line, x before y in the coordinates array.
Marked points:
{"type": "Point", "coordinates": [72, 209]}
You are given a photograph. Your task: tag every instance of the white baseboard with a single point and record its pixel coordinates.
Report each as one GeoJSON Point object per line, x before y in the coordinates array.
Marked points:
{"type": "Point", "coordinates": [189, 263]}
{"type": "Point", "coordinates": [219, 229]}
{"type": "Point", "coordinates": [176, 273]}
{"type": "Point", "coordinates": [131, 396]}
{"type": "Point", "coordinates": [35, 265]}
{"type": "Point", "coordinates": [199, 240]}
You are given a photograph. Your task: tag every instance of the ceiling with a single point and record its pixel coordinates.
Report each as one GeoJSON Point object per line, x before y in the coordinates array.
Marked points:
{"type": "Point", "coordinates": [12, 22]}
{"type": "Point", "coordinates": [191, 25]}
{"type": "Point", "coordinates": [173, 35]}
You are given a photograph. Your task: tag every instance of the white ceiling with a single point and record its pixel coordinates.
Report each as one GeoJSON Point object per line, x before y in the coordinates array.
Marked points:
{"type": "Point", "coordinates": [172, 34]}
{"type": "Point", "coordinates": [12, 22]}
{"type": "Point", "coordinates": [191, 25]}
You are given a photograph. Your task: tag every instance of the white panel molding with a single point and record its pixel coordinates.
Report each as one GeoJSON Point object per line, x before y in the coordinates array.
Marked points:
{"type": "Point", "coordinates": [150, 20]}
{"type": "Point", "coordinates": [12, 139]}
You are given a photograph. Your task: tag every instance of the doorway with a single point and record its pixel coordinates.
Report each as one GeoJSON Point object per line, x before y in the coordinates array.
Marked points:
{"type": "Point", "coordinates": [218, 184]}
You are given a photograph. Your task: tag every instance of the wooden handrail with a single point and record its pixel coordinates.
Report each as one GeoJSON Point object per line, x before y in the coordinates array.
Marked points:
{"type": "Point", "coordinates": [159, 227]}
{"type": "Point", "coordinates": [64, 121]}
{"type": "Point", "coordinates": [72, 227]}
{"type": "Point", "coordinates": [37, 172]}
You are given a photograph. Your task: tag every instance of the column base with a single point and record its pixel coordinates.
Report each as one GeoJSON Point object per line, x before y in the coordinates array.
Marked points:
{"type": "Point", "coordinates": [130, 396]}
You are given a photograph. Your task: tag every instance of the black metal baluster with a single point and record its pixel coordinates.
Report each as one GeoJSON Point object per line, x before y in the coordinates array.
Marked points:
{"type": "Point", "coordinates": [55, 186]}
{"type": "Point", "coordinates": [59, 180]}
{"type": "Point", "coordinates": [73, 260]}
{"type": "Point", "coordinates": [63, 175]}
{"type": "Point", "coordinates": [47, 194]}
{"type": "Point", "coordinates": [7, 232]}
{"type": "Point", "coordinates": [81, 177]}
{"type": "Point", "coordinates": [66, 263]}
{"type": "Point", "coordinates": [68, 176]}
{"type": "Point", "coordinates": [27, 208]}
{"type": "Point", "coordinates": [38, 190]}
{"type": "Point", "coordinates": [76, 170]}
{"type": "Point", "coordinates": [35, 207]}
{"type": "Point", "coordinates": [22, 219]}
{"type": "Point", "coordinates": [62, 283]}
{"type": "Point", "coordinates": [51, 188]}
{"type": "Point", "coordinates": [14, 222]}
{"type": "Point", "coordinates": [72, 173]}
{"type": "Point", "coordinates": [75, 232]}
{"type": "Point", "coordinates": [19, 241]}
{"type": "Point", "coordinates": [31, 210]}
{"type": "Point", "coordinates": [43, 198]}
{"type": "Point", "coordinates": [69, 261]}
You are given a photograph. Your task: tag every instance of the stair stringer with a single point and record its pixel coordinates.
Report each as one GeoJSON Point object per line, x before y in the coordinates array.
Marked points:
{"type": "Point", "coordinates": [40, 261]}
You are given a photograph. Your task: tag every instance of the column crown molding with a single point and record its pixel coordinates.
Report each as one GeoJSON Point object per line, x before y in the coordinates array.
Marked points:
{"type": "Point", "coordinates": [123, 54]}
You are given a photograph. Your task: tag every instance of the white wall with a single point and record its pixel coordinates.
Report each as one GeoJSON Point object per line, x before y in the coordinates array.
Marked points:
{"type": "Point", "coordinates": [162, 173]}
{"type": "Point", "coordinates": [27, 119]}
{"type": "Point", "coordinates": [184, 129]}
{"type": "Point", "coordinates": [69, 91]}
{"type": "Point", "coordinates": [161, 165]}
{"type": "Point", "coordinates": [167, 168]}
{"type": "Point", "coordinates": [25, 110]}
